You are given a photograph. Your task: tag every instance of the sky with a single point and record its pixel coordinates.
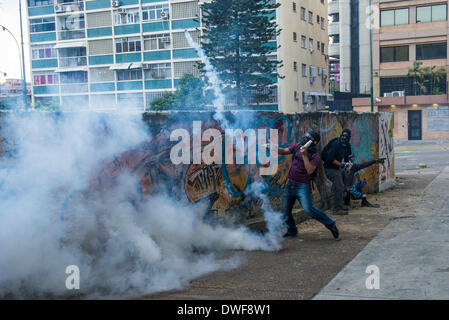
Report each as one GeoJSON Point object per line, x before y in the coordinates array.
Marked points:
{"type": "Point", "coordinates": [10, 59]}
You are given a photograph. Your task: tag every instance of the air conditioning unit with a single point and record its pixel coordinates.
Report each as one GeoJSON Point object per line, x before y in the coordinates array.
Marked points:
{"type": "Point", "coordinates": [312, 79]}
{"type": "Point", "coordinates": [311, 49]}
{"type": "Point", "coordinates": [59, 8]}
{"type": "Point", "coordinates": [397, 93]}
{"type": "Point", "coordinates": [388, 94]}
{"type": "Point", "coordinates": [319, 71]}
{"type": "Point", "coordinates": [121, 10]}
{"type": "Point", "coordinates": [164, 15]}
{"type": "Point", "coordinates": [115, 3]}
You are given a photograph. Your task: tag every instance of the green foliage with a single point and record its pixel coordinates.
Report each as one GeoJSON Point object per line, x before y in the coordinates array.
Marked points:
{"type": "Point", "coordinates": [189, 95]}
{"type": "Point", "coordinates": [236, 35]}
{"type": "Point", "coordinates": [47, 106]}
{"type": "Point", "coordinates": [427, 77]}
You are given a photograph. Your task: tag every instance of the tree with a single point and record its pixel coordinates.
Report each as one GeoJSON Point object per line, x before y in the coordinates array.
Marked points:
{"type": "Point", "coordinates": [236, 35]}
{"type": "Point", "coordinates": [425, 78]}
{"type": "Point", "coordinates": [188, 95]}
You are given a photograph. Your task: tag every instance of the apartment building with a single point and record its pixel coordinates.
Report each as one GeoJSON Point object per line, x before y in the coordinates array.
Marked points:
{"type": "Point", "coordinates": [109, 54]}
{"type": "Point", "coordinates": [11, 92]}
{"type": "Point", "coordinates": [349, 63]}
{"type": "Point", "coordinates": [409, 32]}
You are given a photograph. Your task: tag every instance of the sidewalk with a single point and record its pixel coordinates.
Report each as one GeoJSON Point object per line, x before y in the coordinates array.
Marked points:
{"type": "Point", "coordinates": [412, 254]}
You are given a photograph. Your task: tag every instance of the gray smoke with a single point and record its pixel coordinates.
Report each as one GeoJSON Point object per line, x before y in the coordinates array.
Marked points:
{"type": "Point", "coordinates": [123, 246]}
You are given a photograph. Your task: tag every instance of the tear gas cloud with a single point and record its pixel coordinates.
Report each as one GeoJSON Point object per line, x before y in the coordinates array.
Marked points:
{"type": "Point", "coordinates": [122, 247]}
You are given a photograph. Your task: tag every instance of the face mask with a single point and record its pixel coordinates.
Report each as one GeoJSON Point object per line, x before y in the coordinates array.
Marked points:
{"type": "Point", "coordinates": [344, 138]}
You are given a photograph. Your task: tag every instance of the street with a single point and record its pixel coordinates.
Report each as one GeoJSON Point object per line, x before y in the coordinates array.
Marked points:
{"type": "Point", "coordinates": [406, 238]}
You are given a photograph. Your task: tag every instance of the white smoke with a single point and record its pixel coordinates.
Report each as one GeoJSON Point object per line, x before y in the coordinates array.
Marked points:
{"type": "Point", "coordinates": [123, 247]}
{"type": "Point", "coordinates": [214, 81]}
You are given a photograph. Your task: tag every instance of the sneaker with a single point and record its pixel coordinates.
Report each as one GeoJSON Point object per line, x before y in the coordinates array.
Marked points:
{"type": "Point", "coordinates": [335, 232]}
{"type": "Point", "coordinates": [370, 205]}
{"type": "Point", "coordinates": [291, 234]}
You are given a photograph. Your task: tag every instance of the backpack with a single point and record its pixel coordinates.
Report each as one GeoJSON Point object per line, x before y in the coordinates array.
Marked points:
{"type": "Point", "coordinates": [325, 151]}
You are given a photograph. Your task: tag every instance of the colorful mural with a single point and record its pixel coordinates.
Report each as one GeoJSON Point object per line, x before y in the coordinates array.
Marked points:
{"type": "Point", "coordinates": [386, 145]}
{"type": "Point", "coordinates": [223, 187]}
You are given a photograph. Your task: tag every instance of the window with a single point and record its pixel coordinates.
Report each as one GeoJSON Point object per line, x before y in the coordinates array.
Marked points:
{"type": "Point", "coordinates": [129, 17]}
{"type": "Point", "coordinates": [431, 13]}
{"type": "Point", "coordinates": [318, 45]}
{"type": "Point", "coordinates": [303, 13]}
{"type": "Point", "coordinates": [323, 26]}
{"type": "Point", "coordinates": [317, 19]}
{"type": "Point", "coordinates": [158, 71]}
{"type": "Point", "coordinates": [74, 77]}
{"type": "Point", "coordinates": [303, 42]}
{"type": "Point", "coordinates": [294, 6]}
{"type": "Point", "coordinates": [295, 66]}
{"type": "Point", "coordinates": [42, 25]}
{"type": "Point", "coordinates": [394, 17]}
{"type": "Point", "coordinates": [154, 13]}
{"type": "Point", "coordinates": [295, 37]}
{"type": "Point", "coordinates": [310, 17]}
{"type": "Point", "coordinates": [131, 74]}
{"type": "Point", "coordinates": [43, 79]}
{"type": "Point", "coordinates": [127, 45]}
{"type": "Point", "coordinates": [431, 51]}
{"type": "Point", "coordinates": [310, 44]}
{"type": "Point", "coordinates": [335, 38]}
{"type": "Point", "coordinates": [39, 3]}
{"type": "Point", "coordinates": [43, 52]}
{"type": "Point", "coordinates": [156, 42]}
{"type": "Point", "coordinates": [391, 54]}
{"type": "Point", "coordinates": [304, 70]}
{"type": "Point", "coordinates": [334, 17]}
{"type": "Point", "coordinates": [322, 48]}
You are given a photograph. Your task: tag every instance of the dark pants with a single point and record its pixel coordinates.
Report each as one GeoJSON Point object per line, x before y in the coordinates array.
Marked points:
{"type": "Point", "coordinates": [338, 186]}
{"type": "Point", "coordinates": [301, 192]}
{"type": "Point", "coordinates": [348, 178]}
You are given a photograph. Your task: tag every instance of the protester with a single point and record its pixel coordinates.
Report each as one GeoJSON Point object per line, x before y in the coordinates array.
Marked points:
{"type": "Point", "coordinates": [355, 191]}
{"type": "Point", "coordinates": [304, 165]}
{"type": "Point", "coordinates": [336, 157]}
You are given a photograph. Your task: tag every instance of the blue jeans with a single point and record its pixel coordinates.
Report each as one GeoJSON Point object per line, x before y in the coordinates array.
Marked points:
{"type": "Point", "coordinates": [301, 192]}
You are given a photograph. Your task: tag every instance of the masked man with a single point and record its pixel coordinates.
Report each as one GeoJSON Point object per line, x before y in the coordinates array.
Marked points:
{"type": "Point", "coordinates": [336, 157]}
{"type": "Point", "coordinates": [355, 191]}
{"type": "Point", "coordinates": [303, 169]}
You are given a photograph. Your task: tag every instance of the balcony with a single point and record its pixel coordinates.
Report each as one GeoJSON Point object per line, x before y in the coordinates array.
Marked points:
{"type": "Point", "coordinates": [72, 34]}
{"type": "Point", "coordinates": [68, 6]}
{"type": "Point", "coordinates": [72, 62]}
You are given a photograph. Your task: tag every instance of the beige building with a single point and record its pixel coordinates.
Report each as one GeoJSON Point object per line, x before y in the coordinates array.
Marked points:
{"type": "Point", "coordinates": [408, 32]}
{"type": "Point", "coordinates": [303, 50]}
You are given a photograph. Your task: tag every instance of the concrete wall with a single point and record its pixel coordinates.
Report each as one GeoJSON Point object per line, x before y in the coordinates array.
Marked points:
{"type": "Point", "coordinates": [223, 189]}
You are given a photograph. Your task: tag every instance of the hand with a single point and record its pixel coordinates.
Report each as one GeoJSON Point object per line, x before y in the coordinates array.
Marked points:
{"type": "Point", "coordinates": [304, 152]}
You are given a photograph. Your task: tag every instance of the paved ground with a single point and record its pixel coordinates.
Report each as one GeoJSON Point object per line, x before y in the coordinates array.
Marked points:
{"type": "Point", "coordinates": [412, 254]}
{"type": "Point", "coordinates": [409, 154]}
{"type": "Point", "coordinates": [409, 242]}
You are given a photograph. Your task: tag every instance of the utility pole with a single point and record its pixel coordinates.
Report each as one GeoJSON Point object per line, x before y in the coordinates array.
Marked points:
{"type": "Point", "coordinates": [24, 83]}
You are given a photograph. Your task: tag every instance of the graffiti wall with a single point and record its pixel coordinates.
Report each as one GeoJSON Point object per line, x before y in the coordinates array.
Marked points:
{"type": "Point", "coordinates": [386, 170]}
{"type": "Point", "coordinates": [223, 189]}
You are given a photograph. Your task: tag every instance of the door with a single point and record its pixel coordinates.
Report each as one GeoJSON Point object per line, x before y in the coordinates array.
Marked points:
{"type": "Point", "coordinates": [414, 125]}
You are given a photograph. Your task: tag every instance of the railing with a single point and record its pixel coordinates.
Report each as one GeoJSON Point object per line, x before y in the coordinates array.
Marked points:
{"type": "Point", "coordinates": [72, 34]}
{"type": "Point", "coordinates": [69, 6]}
{"type": "Point", "coordinates": [412, 87]}
{"type": "Point", "coordinates": [67, 62]}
